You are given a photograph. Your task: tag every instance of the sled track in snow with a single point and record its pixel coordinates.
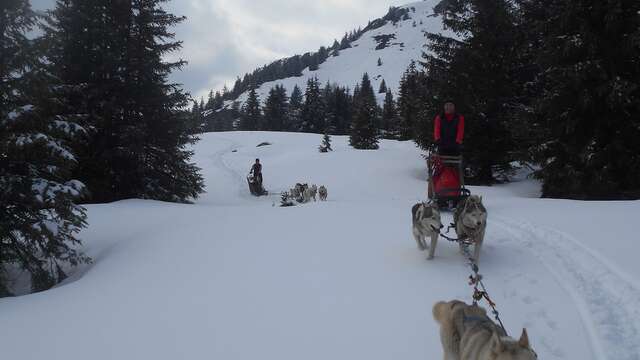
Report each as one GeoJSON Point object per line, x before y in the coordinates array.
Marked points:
{"type": "Point", "coordinates": [220, 163]}
{"type": "Point", "coordinates": [607, 300]}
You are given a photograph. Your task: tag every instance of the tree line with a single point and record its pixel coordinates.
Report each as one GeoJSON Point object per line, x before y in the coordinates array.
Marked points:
{"type": "Point", "coordinates": [86, 114]}
{"type": "Point", "coordinates": [330, 109]}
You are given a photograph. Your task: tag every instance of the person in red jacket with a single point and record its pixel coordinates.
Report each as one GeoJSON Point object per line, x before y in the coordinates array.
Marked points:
{"type": "Point", "coordinates": [448, 131]}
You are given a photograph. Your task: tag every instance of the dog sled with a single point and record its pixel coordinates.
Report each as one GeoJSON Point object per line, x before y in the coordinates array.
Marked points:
{"type": "Point", "coordinates": [446, 179]}
{"type": "Point", "coordinates": [255, 186]}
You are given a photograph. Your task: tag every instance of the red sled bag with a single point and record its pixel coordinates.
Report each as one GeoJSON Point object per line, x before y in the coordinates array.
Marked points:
{"type": "Point", "coordinates": [446, 182]}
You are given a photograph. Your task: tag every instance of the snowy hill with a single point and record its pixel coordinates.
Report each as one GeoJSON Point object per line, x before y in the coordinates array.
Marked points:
{"type": "Point", "coordinates": [395, 44]}
{"type": "Point", "coordinates": [234, 277]}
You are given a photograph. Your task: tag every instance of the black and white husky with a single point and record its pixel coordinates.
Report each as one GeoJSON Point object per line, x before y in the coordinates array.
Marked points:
{"type": "Point", "coordinates": [426, 223]}
{"type": "Point", "coordinates": [470, 218]}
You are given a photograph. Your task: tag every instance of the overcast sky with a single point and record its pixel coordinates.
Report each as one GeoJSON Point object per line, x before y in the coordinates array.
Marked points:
{"type": "Point", "coordinates": [223, 39]}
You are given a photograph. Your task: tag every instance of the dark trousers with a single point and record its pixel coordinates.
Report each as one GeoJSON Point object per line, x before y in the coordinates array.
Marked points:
{"type": "Point", "coordinates": [449, 150]}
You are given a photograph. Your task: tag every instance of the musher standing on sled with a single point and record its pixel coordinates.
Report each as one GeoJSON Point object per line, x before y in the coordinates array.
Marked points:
{"type": "Point", "coordinates": [256, 170]}
{"type": "Point", "coordinates": [446, 184]}
{"type": "Point", "coordinates": [448, 131]}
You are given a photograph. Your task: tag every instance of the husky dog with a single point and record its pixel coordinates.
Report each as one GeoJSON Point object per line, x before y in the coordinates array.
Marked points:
{"type": "Point", "coordinates": [470, 218]}
{"type": "Point", "coordinates": [299, 192]}
{"type": "Point", "coordinates": [426, 223]}
{"type": "Point", "coordinates": [467, 333]}
{"type": "Point", "coordinates": [306, 195]}
{"type": "Point", "coordinates": [322, 193]}
{"type": "Point", "coordinates": [314, 191]}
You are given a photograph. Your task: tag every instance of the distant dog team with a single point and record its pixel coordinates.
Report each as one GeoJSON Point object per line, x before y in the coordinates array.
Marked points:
{"type": "Point", "coordinates": [303, 193]}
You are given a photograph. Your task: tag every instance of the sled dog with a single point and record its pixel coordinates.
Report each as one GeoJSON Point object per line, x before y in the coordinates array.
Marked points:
{"type": "Point", "coordinates": [306, 195]}
{"type": "Point", "coordinates": [314, 191]}
{"type": "Point", "coordinates": [470, 218]}
{"type": "Point", "coordinates": [466, 333]}
{"type": "Point", "coordinates": [299, 192]}
{"type": "Point", "coordinates": [322, 193]}
{"type": "Point", "coordinates": [426, 223]}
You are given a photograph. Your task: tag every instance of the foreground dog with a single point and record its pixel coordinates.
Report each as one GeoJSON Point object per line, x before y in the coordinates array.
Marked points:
{"type": "Point", "coordinates": [470, 218]}
{"type": "Point", "coordinates": [426, 223]}
{"type": "Point", "coordinates": [322, 193]}
{"type": "Point", "coordinates": [467, 333]}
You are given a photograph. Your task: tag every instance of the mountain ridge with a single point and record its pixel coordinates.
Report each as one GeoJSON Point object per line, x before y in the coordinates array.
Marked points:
{"type": "Point", "coordinates": [383, 49]}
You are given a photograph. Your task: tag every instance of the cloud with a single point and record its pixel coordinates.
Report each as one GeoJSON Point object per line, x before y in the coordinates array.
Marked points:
{"type": "Point", "coordinates": [223, 39]}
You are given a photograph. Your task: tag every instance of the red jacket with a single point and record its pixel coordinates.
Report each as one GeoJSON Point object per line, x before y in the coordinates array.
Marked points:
{"type": "Point", "coordinates": [449, 117]}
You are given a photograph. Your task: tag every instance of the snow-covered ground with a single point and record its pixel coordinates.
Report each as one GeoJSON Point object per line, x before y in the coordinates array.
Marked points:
{"type": "Point", "coordinates": [235, 277]}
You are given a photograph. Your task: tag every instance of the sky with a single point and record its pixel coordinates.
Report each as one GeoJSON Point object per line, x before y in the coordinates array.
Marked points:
{"type": "Point", "coordinates": [223, 39]}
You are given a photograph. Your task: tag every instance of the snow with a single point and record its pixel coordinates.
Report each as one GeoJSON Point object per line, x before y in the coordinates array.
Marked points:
{"type": "Point", "coordinates": [66, 127]}
{"type": "Point", "coordinates": [12, 115]}
{"type": "Point", "coordinates": [46, 190]}
{"type": "Point", "coordinates": [235, 277]}
{"type": "Point", "coordinates": [347, 68]}
{"type": "Point", "coordinates": [53, 145]}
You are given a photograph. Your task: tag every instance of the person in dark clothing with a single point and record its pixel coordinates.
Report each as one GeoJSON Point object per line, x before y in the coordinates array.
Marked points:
{"type": "Point", "coordinates": [448, 131]}
{"type": "Point", "coordinates": [256, 170]}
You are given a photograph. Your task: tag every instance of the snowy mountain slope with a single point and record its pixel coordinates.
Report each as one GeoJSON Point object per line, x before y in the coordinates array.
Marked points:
{"type": "Point", "coordinates": [404, 43]}
{"type": "Point", "coordinates": [234, 277]}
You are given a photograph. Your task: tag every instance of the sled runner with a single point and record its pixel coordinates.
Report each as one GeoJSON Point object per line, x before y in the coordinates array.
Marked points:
{"type": "Point", "coordinates": [446, 179]}
{"type": "Point", "coordinates": [255, 186]}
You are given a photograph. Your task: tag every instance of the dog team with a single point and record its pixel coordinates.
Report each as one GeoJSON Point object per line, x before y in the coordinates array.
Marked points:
{"type": "Point", "coordinates": [303, 193]}
{"type": "Point", "coordinates": [466, 332]}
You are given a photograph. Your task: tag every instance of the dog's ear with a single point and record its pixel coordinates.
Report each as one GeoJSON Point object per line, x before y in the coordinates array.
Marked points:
{"type": "Point", "coordinates": [524, 339]}
{"type": "Point", "coordinates": [497, 345]}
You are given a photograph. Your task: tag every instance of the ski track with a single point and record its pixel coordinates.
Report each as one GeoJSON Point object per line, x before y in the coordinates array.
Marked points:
{"type": "Point", "coordinates": [220, 163]}
{"type": "Point", "coordinates": [606, 300]}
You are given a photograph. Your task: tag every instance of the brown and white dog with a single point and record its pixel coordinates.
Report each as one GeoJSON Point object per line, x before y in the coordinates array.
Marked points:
{"type": "Point", "coordinates": [467, 333]}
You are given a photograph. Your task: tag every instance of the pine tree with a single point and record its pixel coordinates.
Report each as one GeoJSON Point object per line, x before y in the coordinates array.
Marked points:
{"type": "Point", "coordinates": [338, 110]}
{"type": "Point", "coordinates": [38, 217]}
{"type": "Point", "coordinates": [470, 72]}
{"type": "Point", "coordinates": [314, 110]}
{"type": "Point", "coordinates": [294, 113]}
{"type": "Point", "coordinates": [251, 115]}
{"type": "Point", "coordinates": [590, 98]}
{"type": "Point", "coordinates": [275, 110]}
{"type": "Point", "coordinates": [409, 103]}
{"type": "Point", "coordinates": [218, 101]}
{"type": "Point", "coordinates": [390, 117]}
{"type": "Point", "coordinates": [210, 101]}
{"type": "Point", "coordinates": [167, 173]}
{"type": "Point", "coordinates": [140, 130]}
{"type": "Point", "coordinates": [383, 87]}
{"type": "Point", "coordinates": [364, 134]}
{"type": "Point", "coordinates": [379, 62]}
